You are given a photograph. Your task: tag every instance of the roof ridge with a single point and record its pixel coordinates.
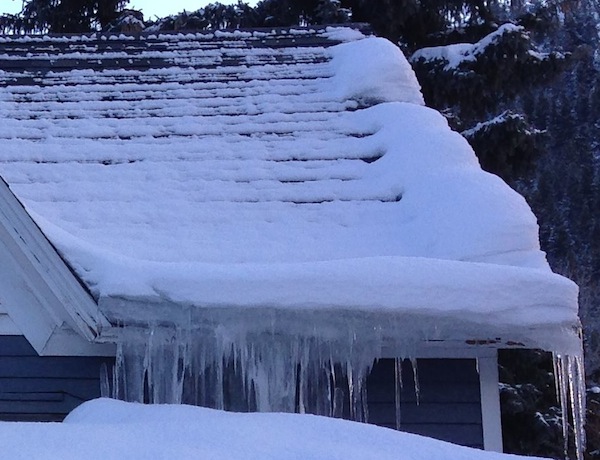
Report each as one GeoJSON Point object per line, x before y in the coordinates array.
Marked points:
{"type": "Point", "coordinates": [229, 33]}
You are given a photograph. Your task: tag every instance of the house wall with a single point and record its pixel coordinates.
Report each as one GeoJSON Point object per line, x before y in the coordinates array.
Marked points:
{"type": "Point", "coordinates": [34, 388]}
{"type": "Point", "coordinates": [449, 402]}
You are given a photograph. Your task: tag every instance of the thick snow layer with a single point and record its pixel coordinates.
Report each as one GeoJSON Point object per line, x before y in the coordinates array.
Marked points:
{"type": "Point", "coordinates": [374, 70]}
{"type": "Point", "coordinates": [209, 183]}
{"type": "Point", "coordinates": [426, 299]}
{"type": "Point", "coordinates": [229, 199]}
{"type": "Point", "coordinates": [107, 429]}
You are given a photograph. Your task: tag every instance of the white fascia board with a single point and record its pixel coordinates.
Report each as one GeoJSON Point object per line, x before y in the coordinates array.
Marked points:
{"type": "Point", "coordinates": [66, 342]}
{"type": "Point", "coordinates": [37, 289]}
{"type": "Point", "coordinates": [440, 349]}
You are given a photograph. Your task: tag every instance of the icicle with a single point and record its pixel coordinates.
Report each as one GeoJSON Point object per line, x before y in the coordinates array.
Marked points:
{"type": "Point", "coordinates": [104, 382]}
{"type": "Point", "coordinates": [577, 392]}
{"type": "Point", "coordinates": [413, 362]}
{"type": "Point", "coordinates": [570, 377]}
{"type": "Point", "coordinates": [557, 377]}
{"type": "Point", "coordinates": [351, 390]}
{"type": "Point", "coordinates": [563, 397]}
{"type": "Point", "coordinates": [118, 382]}
{"type": "Point", "coordinates": [303, 379]}
{"type": "Point", "coordinates": [320, 388]}
{"type": "Point", "coordinates": [132, 371]}
{"type": "Point", "coordinates": [363, 400]}
{"type": "Point", "coordinates": [327, 410]}
{"type": "Point", "coordinates": [217, 364]}
{"type": "Point", "coordinates": [398, 389]}
{"type": "Point", "coordinates": [338, 394]}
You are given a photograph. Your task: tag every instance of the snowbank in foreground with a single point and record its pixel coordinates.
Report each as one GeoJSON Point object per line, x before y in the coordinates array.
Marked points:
{"type": "Point", "coordinates": [107, 429]}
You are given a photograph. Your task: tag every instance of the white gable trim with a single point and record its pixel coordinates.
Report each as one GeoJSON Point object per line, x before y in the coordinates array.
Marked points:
{"type": "Point", "coordinates": [67, 340]}
{"type": "Point", "coordinates": [37, 290]}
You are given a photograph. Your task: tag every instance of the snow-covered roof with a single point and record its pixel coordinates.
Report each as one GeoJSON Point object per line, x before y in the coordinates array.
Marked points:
{"type": "Point", "coordinates": [291, 169]}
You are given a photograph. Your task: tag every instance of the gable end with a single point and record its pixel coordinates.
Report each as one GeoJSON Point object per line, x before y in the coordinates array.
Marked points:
{"type": "Point", "coordinates": [38, 290]}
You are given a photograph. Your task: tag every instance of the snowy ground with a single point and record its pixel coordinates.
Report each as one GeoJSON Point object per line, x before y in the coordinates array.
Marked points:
{"type": "Point", "coordinates": [108, 429]}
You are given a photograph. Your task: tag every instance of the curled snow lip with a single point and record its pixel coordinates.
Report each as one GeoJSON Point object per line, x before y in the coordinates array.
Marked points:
{"type": "Point", "coordinates": [401, 297]}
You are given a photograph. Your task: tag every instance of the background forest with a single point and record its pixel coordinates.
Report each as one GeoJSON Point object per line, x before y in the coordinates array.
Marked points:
{"type": "Point", "coordinates": [525, 93]}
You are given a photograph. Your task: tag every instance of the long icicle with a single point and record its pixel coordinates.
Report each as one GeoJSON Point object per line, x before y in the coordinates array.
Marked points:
{"type": "Point", "coordinates": [398, 390]}
{"type": "Point", "coordinates": [562, 396]}
{"type": "Point", "coordinates": [570, 377]}
{"type": "Point", "coordinates": [577, 393]}
{"type": "Point", "coordinates": [413, 361]}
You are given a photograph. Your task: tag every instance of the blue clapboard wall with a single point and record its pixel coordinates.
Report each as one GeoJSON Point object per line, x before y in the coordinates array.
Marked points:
{"type": "Point", "coordinates": [34, 388]}
{"type": "Point", "coordinates": [449, 406]}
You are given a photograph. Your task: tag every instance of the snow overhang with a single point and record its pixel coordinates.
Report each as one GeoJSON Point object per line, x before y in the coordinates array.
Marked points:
{"type": "Point", "coordinates": [395, 301]}
{"type": "Point", "coordinates": [381, 74]}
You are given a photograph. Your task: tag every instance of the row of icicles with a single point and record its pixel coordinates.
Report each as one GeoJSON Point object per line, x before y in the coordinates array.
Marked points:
{"type": "Point", "coordinates": [272, 373]}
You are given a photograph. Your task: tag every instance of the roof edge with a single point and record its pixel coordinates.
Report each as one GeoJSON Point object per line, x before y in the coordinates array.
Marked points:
{"type": "Point", "coordinates": [392, 331]}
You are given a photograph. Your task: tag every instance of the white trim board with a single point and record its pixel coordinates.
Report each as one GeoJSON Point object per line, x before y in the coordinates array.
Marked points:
{"type": "Point", "coordinates": [445, 349]}
{"type": "Point", "coordinates": [37, 289]}
{"type": "Point", "coordinates": [490, 402]}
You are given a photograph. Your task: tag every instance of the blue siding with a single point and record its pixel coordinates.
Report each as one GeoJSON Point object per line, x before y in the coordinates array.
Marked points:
{"type": "Point", "coordinates": [449, 405]}
{"type": "Point", "coordinates": [34, 388]}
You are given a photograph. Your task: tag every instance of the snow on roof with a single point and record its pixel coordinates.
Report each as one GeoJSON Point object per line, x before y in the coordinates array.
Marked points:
{"type": "Point", "coordinates": [107, 429]}
{"type": "Point", "coordinates": [169, 168]}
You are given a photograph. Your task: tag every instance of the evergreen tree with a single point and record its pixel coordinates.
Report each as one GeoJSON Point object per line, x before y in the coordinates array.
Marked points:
{"type": "Point", "coordinates": [300, 12]}
{"type": "Point", "coordinates": [267, 13]}
{"type": "Point", "coordinates": [66, 16]}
